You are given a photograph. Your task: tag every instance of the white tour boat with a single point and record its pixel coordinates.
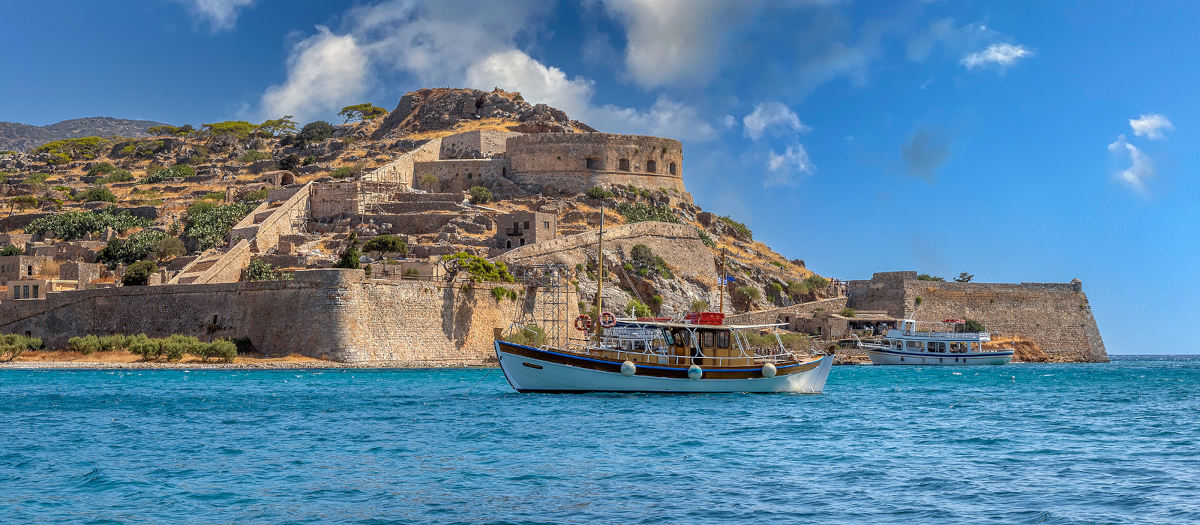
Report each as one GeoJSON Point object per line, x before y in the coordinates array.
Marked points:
{"type": "Point", "coordinates": [698, 353]}
{"type": "Point", "coordinates": [908, 346]}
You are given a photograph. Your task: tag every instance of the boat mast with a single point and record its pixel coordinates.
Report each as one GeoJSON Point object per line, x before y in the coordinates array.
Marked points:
{"type": "Point", "coordinates": [600, 270]}
{"type": "Point", "coordinates": [721, 283]}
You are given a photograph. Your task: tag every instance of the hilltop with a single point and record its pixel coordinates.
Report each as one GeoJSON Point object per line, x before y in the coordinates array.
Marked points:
{"type": "Point", "coordinates": [15, 136]}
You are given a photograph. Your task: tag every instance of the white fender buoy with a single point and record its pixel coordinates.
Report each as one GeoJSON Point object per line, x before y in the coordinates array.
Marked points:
{"type": "Point", "coordinates": [695, 372]}
{"type": "Point", "coordinates": [768, 370]}
{"type": "Point", "coordinates": [628, 368]}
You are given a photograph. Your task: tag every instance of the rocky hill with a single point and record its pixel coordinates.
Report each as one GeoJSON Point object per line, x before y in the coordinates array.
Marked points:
{"type": "Point", "coordinates": [233, 166]}
{"type": "Point", "coordinates": [15, 136]}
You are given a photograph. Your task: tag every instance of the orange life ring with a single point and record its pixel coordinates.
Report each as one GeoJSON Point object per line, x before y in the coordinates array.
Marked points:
{"type": "Point", "coordinates": [583, 323]}
{"type": "Point", "coordinates": [608, 320]}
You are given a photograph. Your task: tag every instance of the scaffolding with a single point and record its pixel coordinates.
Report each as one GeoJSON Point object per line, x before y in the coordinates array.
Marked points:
{"type": "Point", "coordinates": [551, 306]}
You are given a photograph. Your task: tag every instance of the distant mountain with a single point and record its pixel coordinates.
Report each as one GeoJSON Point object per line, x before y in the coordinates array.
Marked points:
{"type": "Point", "coordinates": [22, 137]}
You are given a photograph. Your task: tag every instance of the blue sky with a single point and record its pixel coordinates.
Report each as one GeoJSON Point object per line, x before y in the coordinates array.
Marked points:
{"type": "Point", "coordinates": [1018, 141]}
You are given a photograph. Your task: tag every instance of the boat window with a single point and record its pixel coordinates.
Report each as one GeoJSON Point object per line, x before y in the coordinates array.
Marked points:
{"type": "Point", "coordinates": [670, 339]}
{"type": "Point", "coordinates": [974, 347]}
{"type": "Point", "coordinates": [723, 339]}
{"type": "Point", "coordinates": [708, 339]}
{"type": "Point", "coordinates": [916, 344]}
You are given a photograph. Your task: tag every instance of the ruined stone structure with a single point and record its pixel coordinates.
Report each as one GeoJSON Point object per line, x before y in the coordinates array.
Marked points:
{"type": "Point", "coordinates": [1057, 316]}
{"type": "Point", "coordinates": [520, 228]}
{"type": "Point", "coordinates": [331, 314]}
{"type": "Point", "coordinates": [13, 267]}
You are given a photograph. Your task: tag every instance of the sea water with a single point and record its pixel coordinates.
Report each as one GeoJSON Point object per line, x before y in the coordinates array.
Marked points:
{"type": "Point", "coordinates": [1094, 443]}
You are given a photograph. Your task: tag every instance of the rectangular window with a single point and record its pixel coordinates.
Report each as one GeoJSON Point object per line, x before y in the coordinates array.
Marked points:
{"type": "Point", "coordinates": [16, 292]}
{"type": "Point", "coordinates": [35, 291]}
{"type": "Point", "coordinates": [722, 339]}
{"type": "Point", "coordinates": [708, 339]}
{"type": "Point", "coordinates": [546, 224]}
{"type": "Point", "coordinates": [974, 347]}
{"type": "Point", "coordinates": [25, 292]}
{"type": "Point", "coordinates": [526, 225]}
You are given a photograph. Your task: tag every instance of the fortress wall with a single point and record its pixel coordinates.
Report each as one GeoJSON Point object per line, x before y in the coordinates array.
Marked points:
{"type": "Point", "coordinates": [776, 315]}
{"type": "Point", "coordinates": [486, 142]}
{"type": "Point", "coordinates": [1057, 316]}
{"type": "Point", "coordinates": [334, 199]}
{"type": "Point", "coordinates": [227, 269]}
{"type": "Point", "coordinates": [332, 314]}
{"type": "Point", "coordinates": [400, 170]}
{"type": "Point", "coordinates": [459, 174]}
{"type": "Point", "coordinates": [678, 244]}
{"type": "Point", "coordinates": [281, 221]}
{"type": "Point", "coordinates": [560, 161]}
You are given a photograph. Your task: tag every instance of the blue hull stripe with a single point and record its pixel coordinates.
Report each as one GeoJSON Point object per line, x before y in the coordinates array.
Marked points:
{"type": "Point", "coordinates": [576, 356]}
{"type": "Point", "coordinates": [939, 354]}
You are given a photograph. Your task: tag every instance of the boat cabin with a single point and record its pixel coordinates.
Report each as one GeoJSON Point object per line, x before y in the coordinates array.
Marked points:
{"type": "Point", "coordinates": [687, 343]}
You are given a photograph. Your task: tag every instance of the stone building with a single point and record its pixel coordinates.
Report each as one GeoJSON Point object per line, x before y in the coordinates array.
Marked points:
{"type": "Point", "coordinates": [13, 267]}
{"type": "Point", "coordinates": [22, 289]}
{"type": "Point", "coordinates": [834, 325]}
{"type": "Point", "coordinates": [81, 272]}
{"type": "Point", "coordinates": [517, 229]}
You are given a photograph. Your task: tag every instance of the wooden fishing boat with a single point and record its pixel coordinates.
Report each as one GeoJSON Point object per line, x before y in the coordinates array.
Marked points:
{"type": "Point", "coordinates": [698, 353]}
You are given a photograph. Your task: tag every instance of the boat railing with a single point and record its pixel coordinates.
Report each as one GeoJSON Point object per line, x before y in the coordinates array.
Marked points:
{"type": "Point", "coordinates": [667, 354]}
{"type": "Point", "coordinates": [945, 335]}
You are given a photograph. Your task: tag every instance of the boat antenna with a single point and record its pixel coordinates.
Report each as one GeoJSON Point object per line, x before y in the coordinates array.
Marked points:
{"type": "Point", "coordinates": [600, 271]}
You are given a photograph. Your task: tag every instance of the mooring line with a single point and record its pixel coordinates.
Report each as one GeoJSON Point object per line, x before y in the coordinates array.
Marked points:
{"type": "Point", "coordinates": [485, 376]}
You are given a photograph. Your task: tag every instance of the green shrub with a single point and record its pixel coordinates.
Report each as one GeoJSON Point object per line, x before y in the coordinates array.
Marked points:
{"type": "Point", "coordinates": [699, 305]}
{"type": "Point", "coordinates": [137, 247]}
{"type": "Point", "coordinates": [597, 192]}
{"type": "Point", "coordinates": [141, 148]}
{"type": "Point", "coordinates": [103, 168]}
{"type": "Point", "coordinates": [167, 129]}
{"type": "Point", "coordinates": [637, 308]}
{"type": "Point", "coordinates": [109, 343]}
{"type": "Point", "coordinates": [97, 194]}
{"type": "Point", "coordinates": [208, 224]}
{"type": "Point", "coordinates": [167, 247]}
{"type": "Point", "coordinates": [289, 162]}
{"type": "Point", "coordinates": [11, 250]}
{"type": "Point", "coordinates": [13, 345]}
{"type": "Point", "coordinates": [499, 293]}
{"type": "Point", "coordinates": [528, 335]}
{"type": "Point", "coordinates": [146, 347]}
{"type": "Point", "coordinates": [480, 195]}
{"type": "Point", "coordinates": [75, 224]}
{"type": "Point", "coordinates": [706, 238]}
{"type": "Point", "coordinates": [116, 176]}
{"type": "Point", "coordinates": [258, 195]}
{"type": "Point", "coordinates": [37, 178]}
{"type": "Point", "coordinates": [176, 172]}
{"type": "Point", "coordinates": [342, 173]}
{"type": "Point", "coordinates": [223, 349]}
{"type": "Point", "coordinates": [260, 270]}
{"type": "Point", "coordinates": [847, 312]}
{"type": "Point", "coordinates": [639, 212]}
{"type": "Point", "coordinates": [478, 268]}
{"type": "Point", "coordinates": [918, 301]}
{"type": "Point", "coordinates": [85, 345]}
{"type": "Point", "coordinates": [385, 244]}
{"type": "Point", "coordinates": [740, 229]}
{"type": "Point", "coordinates": [747, 293]}
{"type": "Point", "coordinates": [350, 256]}
{"type": "Point", "coordinates": [927, 277]}
{"type": "Point", "coordinates": [253, 156]}
{"type": "Point", "coordinates": [647, 262]}
{"type": "Point", "coordinates": [973, 325]}
{"type": "Point", "coordinates": [138, 273]}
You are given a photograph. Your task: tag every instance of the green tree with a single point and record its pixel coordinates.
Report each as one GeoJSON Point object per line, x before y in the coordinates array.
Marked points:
{"type": "Point", "coordinates": [314, 132]}
{"type": "Point", "coordinates": [964, 278]}
{"type": "Point", "coordinates": [927, 277]}
{"type": "Point", "coordinates": [97, 194]}
{"type": "Point", "coordinates": [480, 195]}
{"type": "Point", "coordinates": [279, 126]}
{"type": "Point", "coordinates": [974, 326]}
{"type": "Point", "coordinates": [385, 244]}
{"type": "Point", "coordinates": [138, 273]}
{"type": "Point", "coordinates": [167, 248]}
{"type": "Point", "coordinates": [637, 308]}
{"type": "Point", "coordinates": [230, 131]}
{"type": "Point", "coordinates": [350, 256]}
{"type": "Point", "coordinates": [174, 131]}
{"type": "Point", "coordinates": [364, 111]}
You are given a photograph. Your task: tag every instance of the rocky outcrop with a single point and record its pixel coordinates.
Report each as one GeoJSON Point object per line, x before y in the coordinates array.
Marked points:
{"type": "Point", "coordinates": [439, 109]}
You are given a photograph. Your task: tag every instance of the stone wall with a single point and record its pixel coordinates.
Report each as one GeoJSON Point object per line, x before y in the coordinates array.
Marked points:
{"type": "Point", "coordinates": [13, 267]}
{"type": "Point", "coordinates": [459, 175]}
{"type": "Point", "coordinates": [577, 161]}
{"type": "Point", "coordinates": [475, 144]}
{"type": "Point", "coordinates": [400, 170]}
{"type": "Point", "coordinates": [1057, 316]}
{"type": "Point", "coordinates": [275, 218]}
{"type": "Point", "coordinates": [330, 200]}
{"type": "Point", "coordinates": [785, 313]}
{"type": "Point", "coordinates": [330, 314]}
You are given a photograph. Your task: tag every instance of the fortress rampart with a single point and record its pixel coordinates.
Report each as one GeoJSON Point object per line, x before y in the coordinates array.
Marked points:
{"type": "Point", "coordinates": [1057, 316]}
{"type": "Point", "coordinates": [577, 161]}
{"type": "Point", "coordinates": [331, 314]}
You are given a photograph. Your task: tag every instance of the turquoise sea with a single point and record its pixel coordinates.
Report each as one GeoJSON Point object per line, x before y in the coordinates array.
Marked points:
{"type": "Point", "coordinates": [1103, 443]}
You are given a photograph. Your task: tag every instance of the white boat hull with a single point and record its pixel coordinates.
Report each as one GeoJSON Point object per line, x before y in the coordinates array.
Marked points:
{"type": "Point", "coordinates": [528, 374]}
{"type": "Point", "coordinates": [885, 357]}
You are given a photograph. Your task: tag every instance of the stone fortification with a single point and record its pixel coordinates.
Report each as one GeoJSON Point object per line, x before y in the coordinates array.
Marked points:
{"type": "Point", "coordinates": [578, 161]}
{"type": "Point", "coordinates": [785, 313]}
{"type": "Point", "coordinates": [400, 170]}
{"type": "Point", "coordinates": [1057, 316]}
{"type": "Point", "coordinates": [331, 314]}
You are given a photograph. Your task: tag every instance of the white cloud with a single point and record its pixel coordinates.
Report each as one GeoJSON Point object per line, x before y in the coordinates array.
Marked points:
{"type": "Point", "coordinates": [785, 168]}
{"type": "Point", "coordinates": [768, 115]}
{"type": "Point", "coordinates": [954, 38]}
{"type": "Point", "coordinates": [1140, 167]}
{"type": "Point", "coordinates": [1150, 126]}
{"type": "Point", "coordinates": [676, 41]}
{"type": "Point", "coordinates": [221, 15]}
{"type": "Point", "coordinates": [728, 121]}
{"type": "Point", "coordinates": [537, 82]}
{"type": "Point", "coordinates": [325, 71]}
{"type": "Point", "coordinates": [1001, 55]}
{"type": "Point", "coordinates": [454, 43]}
